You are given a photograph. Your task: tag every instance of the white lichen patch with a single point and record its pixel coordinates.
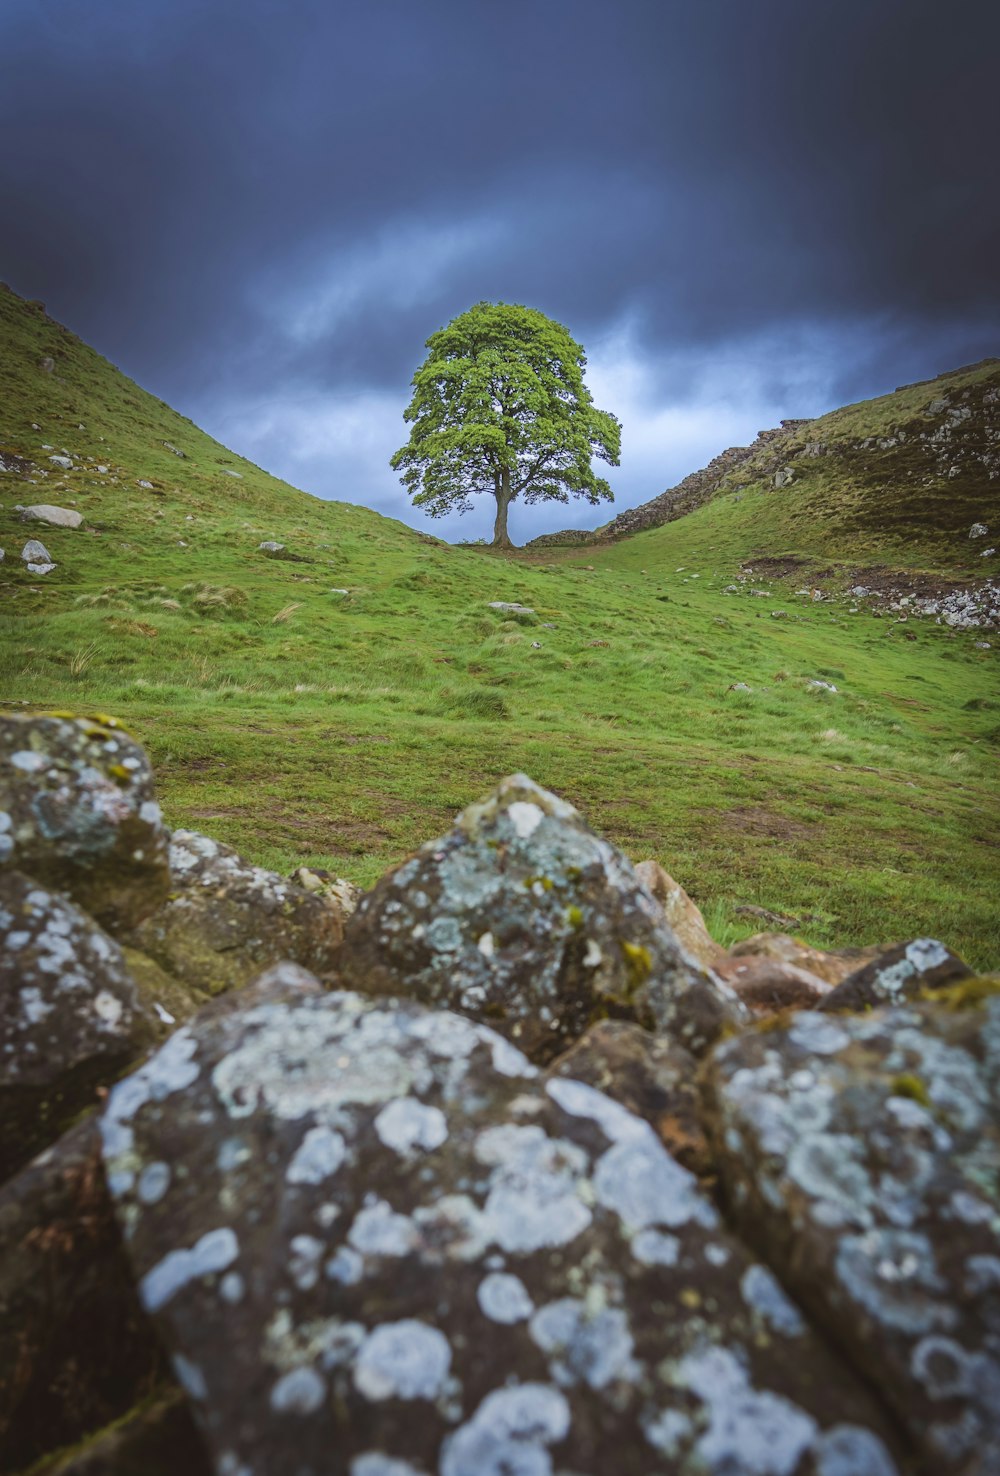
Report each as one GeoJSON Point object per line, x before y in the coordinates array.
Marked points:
{"type": "Point", "coordinates": [509, 1432]}
{"type": "Point", "coordinates": [301, 1391]}
{"type": "Point", "coordinates": [379, 1231]}
{"type": "Point", "coordinates": [408, 1124]}
{"type": "Point", "coordinates": [764, 1294]}
{"type": "Point", "coordinates": [753, 1432]}
{"type": "Point", "coordinates": [525, 818]}
{"type": "Point", "coordinates": [585, 1344]}
{"type": "Point", "coordinates": [504, 1298]}
{"type": "Point", "coordinates": [318, 1156]}
{"type": "Point", "coordinates": [654, 1248]}
{"type": "Point", "coordinates": [403, 1360]}
{"type": "Point", "coordinates": [534, 1199]}
{"type": "Point", "coordinates": [850, 1450]}
{"type": "Point", "coordinates": [214, 1251]}
{"type": "Point", "coordinates": [641, 1183]}
{"type": "Point", "coordinates": [615, 1121]}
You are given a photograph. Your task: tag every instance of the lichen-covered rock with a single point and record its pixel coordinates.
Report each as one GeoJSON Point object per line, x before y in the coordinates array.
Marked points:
{"type": "Point", "coordinates": [71, 1018]}
{"type": "Point", "coordinates": [225, 920]}
{"type": "Point", "coordinates": [683, 916]}
{"type": "Point", "coordinates": [653, 1077]}
{"type": "Point", "coordinates": [766, 985]}
{"type": "Point", "coordinates": [76, 1348]}
{"type": "Point", "coordinates": [523, 917]}
{"type": "Point", "coordinates": [897, 974]}
{"type": "Point", "coordinates": [345, 893]}
{"type": "Point", "coordinates": [832, 966]}
{"type": "Point", "coordinates": [864, 1152]}
{"type": "Point", "coordinates": [77, 811]}
{"type": "Point", "coordinates": [376, 1241]}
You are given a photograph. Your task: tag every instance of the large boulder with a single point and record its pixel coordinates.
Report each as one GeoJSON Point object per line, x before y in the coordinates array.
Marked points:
{"type": "Point", "coordinates": [523, 917]}
{"type": "Point", "coordinates": [77, 811]}
{"type": "Point", "coordinates": [57, 517]}
{"type": "Point", "coordinates": [863, 1151]}
{"type": "Point", "coordinates": [71, 1018]}
{"type": "Point", "coordinates": [76, 1348]}
{"type": "Point", "coordinates": [225, 920]}
{"type": "Point", "coordinates": [377, 1242]}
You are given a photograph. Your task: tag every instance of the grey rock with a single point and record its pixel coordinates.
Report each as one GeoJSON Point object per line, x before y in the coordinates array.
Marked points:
{"type": "Point", "coordinates": [898, 973]}
{"type": "Point", "coordinates": [77, 811]}
{"type": "Point", "coordinates": [66, 462]}
{"type": "Point", "coordinates": [864, 1153]}
{"type": "Point", "coordinates": [175, 449]}
{"type": "Point", "coordinates": [59, 517]}
{"type": "Point", "coordinates": [40, 568]}
{"type": "Point", "coordinates": [345, 893]}
{"type": "Point", "coordinates": [978, 530]}
{"type": "Point", "coordinates": [70, 1016]}
{"type": "Point", "coordinates": [143, 483]}
{"type": "Point", "coordinates": [35, 552]}
{"type": "Point", "coordinates": [522, 916]}
{"type": "Point", "coordinates": [227, 473]}
{"type": "Point", "coordinates": [269, 546]}
{"type": "Point", "coordinates": [421, 1257]}
{"type": "Point", "coordinates": [510, 607]}
{"type": "Point", "coordinates": [225, 920]}
{"type": "Point", "coordinates": [784, 476]}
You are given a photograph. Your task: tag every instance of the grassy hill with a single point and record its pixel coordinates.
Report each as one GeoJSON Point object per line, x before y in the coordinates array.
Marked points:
{"type": "Point", "coordinates": [305, 724]}
{"type": "Point", "coordinates": [898, 480]}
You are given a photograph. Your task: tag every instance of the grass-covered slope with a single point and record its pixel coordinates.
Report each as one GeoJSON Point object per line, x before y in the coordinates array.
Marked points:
{"type": "Point", "coordinates": [301, 723]}
{"type": "Point", "coordinates": [897, 480]}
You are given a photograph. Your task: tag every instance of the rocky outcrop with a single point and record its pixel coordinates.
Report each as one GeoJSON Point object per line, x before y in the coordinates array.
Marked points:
{"type": "Point", "coordinates": [524, 918]}
{"type": "Point", "coordinates": [424, 1257]}
{"type": "Point", "coordinates": [711, 1229]}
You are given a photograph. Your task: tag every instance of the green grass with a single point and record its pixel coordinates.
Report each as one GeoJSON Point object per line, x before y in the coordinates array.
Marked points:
{"type": "Point", "coordinates": [342, 730]}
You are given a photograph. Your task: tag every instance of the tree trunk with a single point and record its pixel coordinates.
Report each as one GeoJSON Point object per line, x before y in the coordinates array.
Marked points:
{"type": "Point", "coordinates": [501, 538]}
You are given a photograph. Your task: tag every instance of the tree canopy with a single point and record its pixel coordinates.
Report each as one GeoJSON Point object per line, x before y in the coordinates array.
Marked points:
{"type": "Point", "coordinates": [500, 407]}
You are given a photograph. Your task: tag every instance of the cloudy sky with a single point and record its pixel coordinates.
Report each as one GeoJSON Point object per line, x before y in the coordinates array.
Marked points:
{"type": "Point", "coordinates": [744, 209]}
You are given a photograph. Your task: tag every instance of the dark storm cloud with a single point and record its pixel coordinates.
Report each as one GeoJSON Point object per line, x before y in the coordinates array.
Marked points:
{"type": "Point", "coordinates": [235, 196]}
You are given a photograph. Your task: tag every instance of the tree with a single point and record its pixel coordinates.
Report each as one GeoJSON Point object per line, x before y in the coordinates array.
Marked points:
{"type": "Point", "coordinates": [499, 406]}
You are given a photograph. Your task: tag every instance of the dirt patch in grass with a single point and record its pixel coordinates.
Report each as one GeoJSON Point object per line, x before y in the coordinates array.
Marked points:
{"type": "Point", "coordinates": [881, 580]}
{"type": "Point", "coordinates": [774, 568]}
{"type": "Point", "coordinates": [757, 820]}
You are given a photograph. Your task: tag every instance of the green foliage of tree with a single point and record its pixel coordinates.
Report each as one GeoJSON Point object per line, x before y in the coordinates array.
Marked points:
{"type": "Point", "coordinates": [499, 406]}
